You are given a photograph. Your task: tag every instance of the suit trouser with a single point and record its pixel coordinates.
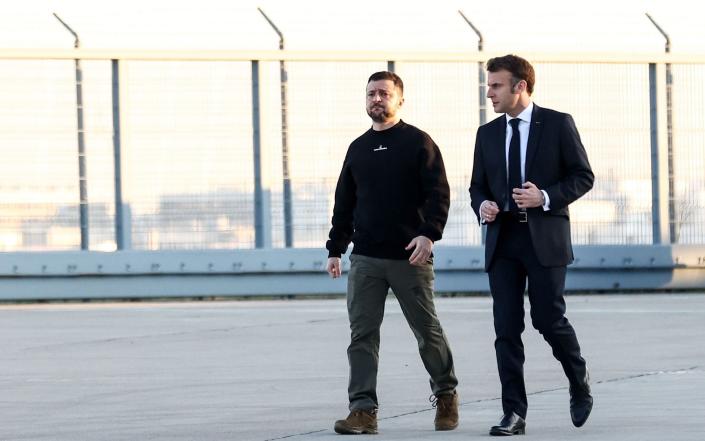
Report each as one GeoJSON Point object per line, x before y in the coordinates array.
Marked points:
{"type": "Point", "coordinates": [369, 281]}
{"type": "Point", "coordinates": [514, 262]}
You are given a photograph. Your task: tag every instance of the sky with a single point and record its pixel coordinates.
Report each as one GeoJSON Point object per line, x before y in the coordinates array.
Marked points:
{"type": "Point", "coordinates": [510, 25]}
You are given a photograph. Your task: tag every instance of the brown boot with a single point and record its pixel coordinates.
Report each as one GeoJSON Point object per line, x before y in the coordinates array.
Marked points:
{"type": "Point", "coordinates": [446, 411]}
{"type": "Point", "coordinates": [358, 422]}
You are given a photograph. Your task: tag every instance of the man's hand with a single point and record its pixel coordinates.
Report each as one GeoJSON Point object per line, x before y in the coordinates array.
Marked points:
{"type": "Point", "coordinates": [333, 267]}
{"type": "Point", "coordinates": [423, 246]}
{"type": "Point", "coordinates": [529, 196]}
{"type": "Point", "coordinates": [488, 211]}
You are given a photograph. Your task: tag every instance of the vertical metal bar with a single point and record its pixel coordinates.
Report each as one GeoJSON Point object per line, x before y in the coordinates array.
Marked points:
{"type": "Point", "coordinates": [482, 111]}
{"type": "Point", "coordinates": [256, 147]}
{"type": "Point", "coordinates": [481, 92]}
{"type": "Point", "coordinates": [391, 66]}
{"type": "Point", "coordinates": [82, 176]}
{"type": "Point", "coordinates": [673, 224]}
{"type": "Point", "coordinates": [659, 165]}
{"type": "Point", "coordinates": [655, 187]}
{"type": "Point", "coordinates": [120, 231]}
{"type": "Point", "coordinates": [482, 82]}
{"type": "Point", "coordinates": [82, 180]}
{"type": "Point", "coordinates": [288, 223]}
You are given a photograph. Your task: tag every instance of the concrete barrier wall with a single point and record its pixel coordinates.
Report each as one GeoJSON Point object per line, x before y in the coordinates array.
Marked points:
{"type": "Point", "coordinates": [275, 272]}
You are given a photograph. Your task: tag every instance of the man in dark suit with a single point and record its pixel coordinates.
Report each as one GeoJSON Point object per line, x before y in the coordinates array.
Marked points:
{"type": "Point", "coordinates": [529, 166]}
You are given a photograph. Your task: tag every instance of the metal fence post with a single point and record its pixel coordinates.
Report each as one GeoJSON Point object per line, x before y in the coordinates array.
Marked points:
{"type": "Point", "coordinates": [256, 145]}
{"type": "Point", "coordinates": [122, 222]}
{"type": "Point", "coordinates": [481, 81]}
{"type": "Point", "coordinates": [263, 237]}
{"type": "Point", "coordinates": [481, 92]}
{"type": "Point", "coordinates": [673, 226]}
{"type": "Point", "coordinates": [82, 176]}
{"type": "Point", "coordinates": [288, 221]}
{"type": "Point", "coordinates": [659, 168]}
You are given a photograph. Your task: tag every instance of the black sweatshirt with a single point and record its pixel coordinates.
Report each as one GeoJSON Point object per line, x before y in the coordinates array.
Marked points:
{"type": "Point", "coordinates": [392, 188]}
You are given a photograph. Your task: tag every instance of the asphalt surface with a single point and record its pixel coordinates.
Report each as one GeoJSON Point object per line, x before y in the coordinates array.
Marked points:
{"type": "Point", "coordinates": [270, 370]}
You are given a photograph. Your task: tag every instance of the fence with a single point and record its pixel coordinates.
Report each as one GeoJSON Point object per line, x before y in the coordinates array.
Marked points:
{"type": "Point", "coordinates": [190, 162]}
{"type": "Point", "coordinates": [190, 125]}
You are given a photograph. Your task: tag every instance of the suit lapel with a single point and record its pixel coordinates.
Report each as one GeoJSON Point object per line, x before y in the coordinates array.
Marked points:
{"type": "Point", "coordinates": [534, 136]}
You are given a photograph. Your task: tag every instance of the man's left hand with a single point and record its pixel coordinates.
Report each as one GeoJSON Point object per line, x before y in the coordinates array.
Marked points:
{"type": "Point", "coordinates": [421, 254]}
{"type": "Point", "coordinates": [529, 196]}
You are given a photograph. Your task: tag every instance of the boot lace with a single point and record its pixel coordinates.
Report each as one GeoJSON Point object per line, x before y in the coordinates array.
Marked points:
{"type": "Point", "coordinates": [437, 403]}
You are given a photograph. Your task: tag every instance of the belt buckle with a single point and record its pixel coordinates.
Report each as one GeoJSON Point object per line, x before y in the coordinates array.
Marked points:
{"type": "Point", "coordinates": [523, 217]}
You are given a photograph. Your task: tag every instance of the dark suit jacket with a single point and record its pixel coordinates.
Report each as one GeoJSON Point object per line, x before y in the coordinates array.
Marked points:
{"type": "Point", "coordinates": [556, 162]}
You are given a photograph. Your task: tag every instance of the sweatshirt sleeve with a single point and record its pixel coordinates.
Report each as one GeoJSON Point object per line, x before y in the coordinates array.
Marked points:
{"type": "Point", "coordinates": [341, 232]}
{"type": "Point", "coordinates": [436, 191]}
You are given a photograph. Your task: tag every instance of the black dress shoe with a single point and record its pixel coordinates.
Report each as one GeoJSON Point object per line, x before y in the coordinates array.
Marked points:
{"type": "Point", "coordinates": [510, 425]}
{"type": "Point", "coordinates": [580, 403]}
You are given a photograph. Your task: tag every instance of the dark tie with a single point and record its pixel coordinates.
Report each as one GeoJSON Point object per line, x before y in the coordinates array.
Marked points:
{"type": "Point", "coordinates": [514, 178]}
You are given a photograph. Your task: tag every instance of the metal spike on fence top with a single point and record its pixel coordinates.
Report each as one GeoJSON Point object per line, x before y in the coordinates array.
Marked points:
{"type": "Point", "coordinates": [276, 29]}
{"type": "Point", "coordinates": [660, 29]}
{"type": "Point", "coordinates": [77, 42]}
{"type": "Point", "coordinates": [480, 40]}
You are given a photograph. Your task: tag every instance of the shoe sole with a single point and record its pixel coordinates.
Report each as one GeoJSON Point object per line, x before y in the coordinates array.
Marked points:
{"type": "Point", "coordinates": [354, 431]}
{"type": "Point", "coordinates": [581, 423]}
{"type": "Point", "coordinates": [443, 428]}
{"type": "Point", "coordinates": [521, 431]}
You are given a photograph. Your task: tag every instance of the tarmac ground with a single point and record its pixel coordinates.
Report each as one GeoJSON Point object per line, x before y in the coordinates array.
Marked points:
{"type": "Point", "coordinates": [277, 369]}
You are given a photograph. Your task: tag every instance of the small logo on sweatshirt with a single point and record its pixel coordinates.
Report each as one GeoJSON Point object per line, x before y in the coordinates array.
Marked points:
{"type": "Point", "coordinates": [380, 148]}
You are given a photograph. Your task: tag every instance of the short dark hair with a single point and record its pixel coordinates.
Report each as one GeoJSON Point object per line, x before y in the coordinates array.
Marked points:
{"type": "Point", "coordinates": [517, 66]}
{"type": "Point", "coordinates": [386, 75]}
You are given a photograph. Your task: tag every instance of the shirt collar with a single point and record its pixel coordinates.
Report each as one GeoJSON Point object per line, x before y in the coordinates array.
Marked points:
{"type": "Point", "coordinates": [525, 114]}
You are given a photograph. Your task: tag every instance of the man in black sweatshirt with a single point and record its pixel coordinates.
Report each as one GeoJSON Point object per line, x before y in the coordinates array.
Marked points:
{"type": "Point", "coordinates": [392, 201]}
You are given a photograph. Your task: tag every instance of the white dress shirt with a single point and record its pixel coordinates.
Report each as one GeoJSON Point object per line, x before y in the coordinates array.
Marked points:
{"type": "Point", "coordinates": [524, 124]}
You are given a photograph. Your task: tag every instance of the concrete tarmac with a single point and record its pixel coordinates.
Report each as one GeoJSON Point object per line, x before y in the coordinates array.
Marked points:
{"type": "Point", "coordinates": [273, 370]}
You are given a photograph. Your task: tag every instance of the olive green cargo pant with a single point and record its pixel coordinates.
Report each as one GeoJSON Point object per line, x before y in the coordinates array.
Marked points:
{"type": "Point", "coordinates": [369, 281]}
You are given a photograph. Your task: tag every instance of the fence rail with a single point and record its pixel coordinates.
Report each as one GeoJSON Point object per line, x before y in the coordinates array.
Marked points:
{"type": "Point", "coordinates": [355, 56]}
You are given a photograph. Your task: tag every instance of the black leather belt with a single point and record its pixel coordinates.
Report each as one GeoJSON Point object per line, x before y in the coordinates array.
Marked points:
{"type": "Point", "coordinates": [516, 216]}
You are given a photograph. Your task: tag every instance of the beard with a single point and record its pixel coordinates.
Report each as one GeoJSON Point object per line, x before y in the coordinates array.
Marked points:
{"type": "Point", "coordinates": [379, 114]}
